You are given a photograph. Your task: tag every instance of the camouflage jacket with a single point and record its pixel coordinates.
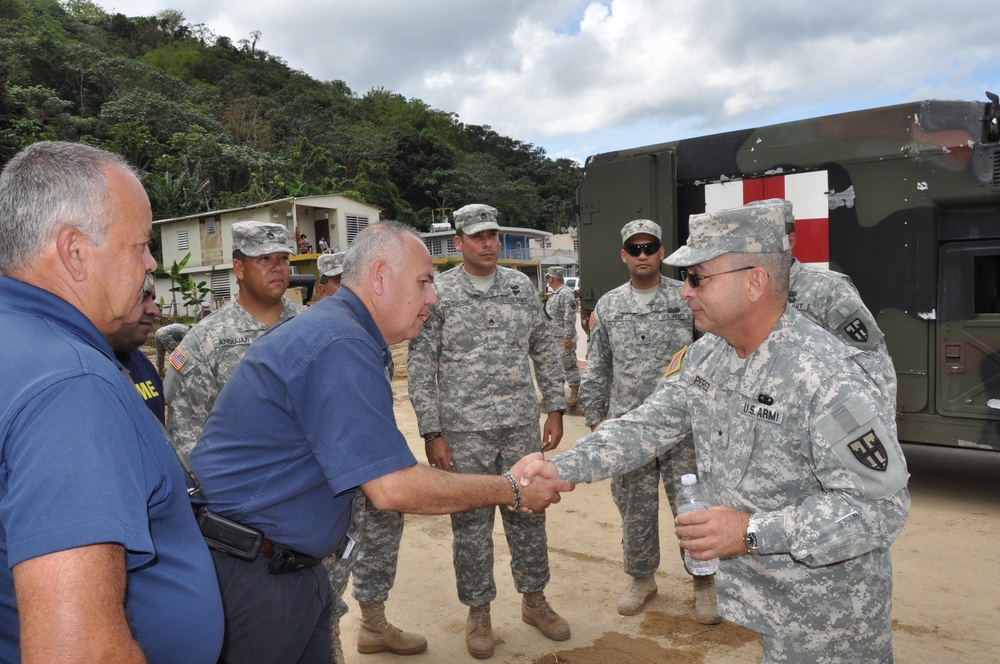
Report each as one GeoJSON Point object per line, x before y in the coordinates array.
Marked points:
{"type": "Point", "coordinates": [468, 369]}
{"type": "Point", "coordinates": [795, 435]}
{"type": "Point", "coordinates": [629, 349]}
{"type": "Point", "coordinates": [171, 333]}
{"type": "Point", "coordinates": [207, 357]}
{"type": "Point", "coordinates": [561, 310]}
{"type": "Point", "coordinates": [831, 300]}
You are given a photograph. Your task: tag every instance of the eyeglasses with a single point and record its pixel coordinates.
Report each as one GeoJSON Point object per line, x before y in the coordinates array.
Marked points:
{"type": "Point", "coordinates": [649, 248]}
{"type": "Point", "coordinates": [696, 279]}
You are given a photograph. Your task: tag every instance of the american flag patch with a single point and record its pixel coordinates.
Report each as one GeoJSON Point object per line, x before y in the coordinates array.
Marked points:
{"type": "Point", "coordinates": [675, 363]}
{"type": "Point", "coordinates": [178, 359]}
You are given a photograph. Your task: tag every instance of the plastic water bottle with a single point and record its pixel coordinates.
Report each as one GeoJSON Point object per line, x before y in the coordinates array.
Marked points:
{"type": "Point", "coordinates": [689, 499]}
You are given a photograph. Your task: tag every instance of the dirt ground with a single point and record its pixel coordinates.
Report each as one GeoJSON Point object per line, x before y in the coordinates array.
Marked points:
{"type": "Point", "coordinates": [946, 604]}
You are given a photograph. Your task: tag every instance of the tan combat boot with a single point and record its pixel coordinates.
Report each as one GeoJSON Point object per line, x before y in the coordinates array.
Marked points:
{"type": "Point", "coordinates": [536, 611]}
{"type": "Point", "coordinates": [376, 634]}
{"type": "Point", "coordinates": [642, 590]}
{"type": "Point", "coordinates": [705, 602]}
{"type": "Point", "coordinates": [479, 632]}
{"type": "Point", "coordinates": [574, 395]}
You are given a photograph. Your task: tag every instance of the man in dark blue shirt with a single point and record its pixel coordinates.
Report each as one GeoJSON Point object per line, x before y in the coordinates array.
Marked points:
{"type": "Point", "coordinates": [307, 418]}
{"type": "Point", "coordinates": [100, 556]}
{"type": "Point", "coordinates": [127, 343]}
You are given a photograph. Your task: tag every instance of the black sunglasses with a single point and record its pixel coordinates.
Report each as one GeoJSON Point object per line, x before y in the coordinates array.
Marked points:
{"type": "Point", "coordinates": [649, 248]}
{"type": "Point", "coordinates": [696, 279]}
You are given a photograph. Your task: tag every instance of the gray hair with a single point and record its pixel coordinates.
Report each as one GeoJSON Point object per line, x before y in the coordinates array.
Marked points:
{"type": "Point", "coordinates": [48, 185]}
{"type": "Point", "coordinates": [777, 264]}
{"type": "Point", "coordinates": [380, 240]}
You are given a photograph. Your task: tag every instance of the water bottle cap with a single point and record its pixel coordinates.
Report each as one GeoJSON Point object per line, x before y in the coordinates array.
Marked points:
{"type": "Point", "coordinates": [688, 480]}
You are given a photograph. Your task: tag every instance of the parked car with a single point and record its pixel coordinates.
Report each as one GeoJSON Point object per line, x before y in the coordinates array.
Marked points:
{"type": "Point", "coordinates": [574, 284]}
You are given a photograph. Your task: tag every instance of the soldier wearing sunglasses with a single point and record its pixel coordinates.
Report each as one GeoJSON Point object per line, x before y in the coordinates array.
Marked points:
{"type": "Point", "coordinates": [635, 330]}
{"type": "Point", "coordinates": [796, 449]}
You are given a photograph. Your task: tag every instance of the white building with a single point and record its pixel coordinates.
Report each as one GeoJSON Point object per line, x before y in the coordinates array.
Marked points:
{"type": "Point", "coordinates": [208, 237]}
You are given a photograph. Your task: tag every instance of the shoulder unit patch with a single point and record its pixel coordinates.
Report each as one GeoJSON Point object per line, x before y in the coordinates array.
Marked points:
{"type": "Point", "coordinates": [675, 362]}
{"type": "Point", "coordinates": [868, 449]}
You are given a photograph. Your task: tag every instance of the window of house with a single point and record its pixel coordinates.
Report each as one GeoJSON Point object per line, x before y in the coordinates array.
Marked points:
{"type": "Point", "coordinates": [182, 240]}
{"type": "Point", "coordinates": [354, 226]}
{"type": "Point", "coordinates": [220, 285]}
{"type": "Point", "coordinates": [210, 226]}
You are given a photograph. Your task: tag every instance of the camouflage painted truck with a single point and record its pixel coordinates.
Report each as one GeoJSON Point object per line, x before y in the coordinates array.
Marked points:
{"type": "Point", "coordinates": [905, 199]}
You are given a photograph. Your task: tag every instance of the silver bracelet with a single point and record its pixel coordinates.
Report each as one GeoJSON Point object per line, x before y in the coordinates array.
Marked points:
{"type": "Point", "coordinates": [516, 489]}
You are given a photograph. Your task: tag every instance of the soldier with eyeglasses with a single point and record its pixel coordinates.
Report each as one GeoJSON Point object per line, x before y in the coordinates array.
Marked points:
{"type": "Point", "coordinates": [796, 450]}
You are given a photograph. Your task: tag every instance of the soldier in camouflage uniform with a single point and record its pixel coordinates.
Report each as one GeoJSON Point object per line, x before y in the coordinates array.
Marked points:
{"type": "Point", "coordinates": [830, 299]}
{"type": "Point", "coordinates": [203, 362]}
{"type": "Point", "coordinates": [470, 385]}
{"type": "Point", "coordinates": [795, 448]}
{"type": "Point", "coordinates": [331, 269]}
{"type": "Point", "coordinates": [635, 330]}
{"type": "Point", "coordinates": [373, 561]}
{"type": "Point", "coordinates": [561, 310]}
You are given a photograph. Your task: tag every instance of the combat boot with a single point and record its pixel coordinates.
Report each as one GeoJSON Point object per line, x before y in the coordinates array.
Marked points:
{"type": "Point", "coordinates": [536, 611]}
{"type": "Point", "coordinates": [574, 394]}
{"type": "Point", "coordinates": [479, 632]}
{"type": "Point", "coordinates": [705, 603]}
{"type": "Point", "coordinates": [376, 634]}
{"type": "Point", "coordinates": [642, 590]}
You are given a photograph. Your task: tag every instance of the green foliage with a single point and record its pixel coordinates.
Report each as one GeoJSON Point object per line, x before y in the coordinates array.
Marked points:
{"type": "Point", "coordinates": [215, 122]}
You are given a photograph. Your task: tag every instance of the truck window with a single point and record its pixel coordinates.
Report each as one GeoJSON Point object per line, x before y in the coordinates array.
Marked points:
{"type": "Point", "coordinates": [987, 284]}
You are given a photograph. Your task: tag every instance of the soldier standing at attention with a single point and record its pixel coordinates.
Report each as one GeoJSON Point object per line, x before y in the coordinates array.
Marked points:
{"type": "Point", "coordinates": [561, 309]}
{"type": "Point", "coordinates": [470, 385]}
{"type": "Point", "coordinates": [373, 563]}
{"type": "Point", "coordinates": [202, 363]}
{"type": "Point", "coordinates": [635, 330]}
{"type": "Point", "coordinates": [795, 444]}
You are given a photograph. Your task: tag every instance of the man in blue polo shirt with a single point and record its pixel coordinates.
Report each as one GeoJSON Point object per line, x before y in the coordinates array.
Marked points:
{"type": "Point", "coordinates": [100, 556]}
{"type": "Point", "coordinates": [307, 418]}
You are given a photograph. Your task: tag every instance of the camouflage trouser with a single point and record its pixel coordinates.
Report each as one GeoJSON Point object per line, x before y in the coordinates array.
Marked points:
{"type": "Point", "coordinates": [567, 356]}
{"type": "Point", "coordinates": [637, 495]}
{"type": "Point", "coordinates": [872, 648]}
{"type": "Point", "coordinates": [494, 452]}
{"type": "Point", "coordinates": [373, 560]}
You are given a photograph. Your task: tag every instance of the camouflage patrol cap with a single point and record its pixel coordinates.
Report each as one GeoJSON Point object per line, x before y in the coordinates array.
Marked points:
{"type": "Point", "coordinates": [556, 272]}
{"type": "Point", "coordinates": [331, 265]}
{"type": "Point", "coordinates": [259, 238]}
{"type": "Point", "coordinates": [755, 228]}
{"type": "Point", "coordinates": [637, 226]}
{"type": "Point", "coordinates": [474, 218]}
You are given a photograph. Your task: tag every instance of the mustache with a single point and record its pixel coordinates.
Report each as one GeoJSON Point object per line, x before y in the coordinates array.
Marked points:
{"type": "Point", "coordinates": [147, 285]}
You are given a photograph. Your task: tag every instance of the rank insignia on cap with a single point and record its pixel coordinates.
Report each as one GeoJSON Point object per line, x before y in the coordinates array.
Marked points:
{"type": "Point", "coordinates": [178, 359]}
{"type": "Point", "coordinates": [857, 330]}
{"type": "Point", "coordinates": [868, 449]}
{"type": "Point", "coordinates": [675, 362]}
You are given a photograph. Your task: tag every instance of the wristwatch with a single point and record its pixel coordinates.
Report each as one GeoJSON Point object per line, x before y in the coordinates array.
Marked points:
{"type": "Point", "coordinates": [750, 539]}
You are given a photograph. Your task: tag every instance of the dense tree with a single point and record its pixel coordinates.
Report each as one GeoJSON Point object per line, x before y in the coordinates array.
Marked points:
{"type": "Point", "coordinates": [212, 121]}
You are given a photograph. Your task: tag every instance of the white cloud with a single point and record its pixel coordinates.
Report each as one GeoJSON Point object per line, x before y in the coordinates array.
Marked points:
{"type": "Point", "coordinates": [578, 77]}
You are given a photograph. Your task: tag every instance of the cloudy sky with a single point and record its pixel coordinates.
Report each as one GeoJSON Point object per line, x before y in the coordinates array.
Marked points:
{"type": "Point", "coordinates": [580, 77]}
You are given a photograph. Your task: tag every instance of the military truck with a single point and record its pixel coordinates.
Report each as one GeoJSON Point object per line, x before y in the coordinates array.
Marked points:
{"type": "Point", "coordinates": [905, 199]}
